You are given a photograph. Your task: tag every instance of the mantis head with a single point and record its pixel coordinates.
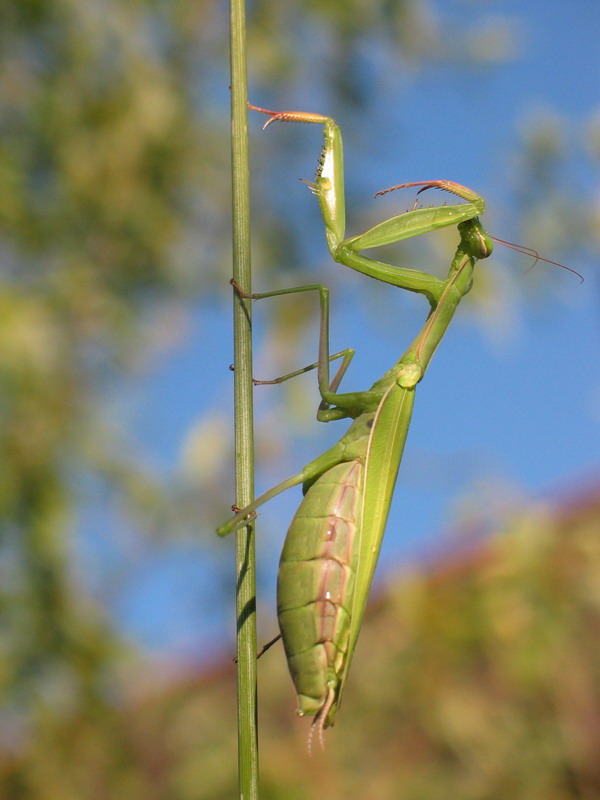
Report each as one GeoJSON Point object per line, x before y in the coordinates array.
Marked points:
{"type": "Point", "coordinates": [476, 241]}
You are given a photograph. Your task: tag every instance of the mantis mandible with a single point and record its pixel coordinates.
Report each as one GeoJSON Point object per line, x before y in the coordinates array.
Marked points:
{"type": "Point", "coordinates": [331, 549]}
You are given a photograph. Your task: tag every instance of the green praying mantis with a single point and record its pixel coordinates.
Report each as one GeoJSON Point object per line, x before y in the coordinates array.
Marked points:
{"type": "Point", "coordinates": [332, 546]}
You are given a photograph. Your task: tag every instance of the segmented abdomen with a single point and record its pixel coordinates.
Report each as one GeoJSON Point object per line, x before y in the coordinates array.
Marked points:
{"type": "Point", "coordinates": [315, 585]}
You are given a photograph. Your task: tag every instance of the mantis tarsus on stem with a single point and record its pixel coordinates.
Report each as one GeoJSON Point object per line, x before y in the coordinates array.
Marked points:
{"type": "Point", "coordinates": [333, 543]}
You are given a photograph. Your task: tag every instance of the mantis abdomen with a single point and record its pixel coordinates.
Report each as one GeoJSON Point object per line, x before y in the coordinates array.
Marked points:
{"type": "Point", "coordinates": [315, 585]}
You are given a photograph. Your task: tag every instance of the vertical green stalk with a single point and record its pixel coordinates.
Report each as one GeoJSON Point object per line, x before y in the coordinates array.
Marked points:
{"type": "Point", "coordinates": [244, 435]}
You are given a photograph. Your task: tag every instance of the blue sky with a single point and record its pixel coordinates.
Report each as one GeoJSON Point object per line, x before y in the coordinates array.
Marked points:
{"type": "Point", "coordinates": [498, 418]}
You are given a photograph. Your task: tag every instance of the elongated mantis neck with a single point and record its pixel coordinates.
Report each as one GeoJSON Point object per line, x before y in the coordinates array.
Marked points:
{"type": "Point", "coordinates": [458, 284]}
{"type": "Point", "coordinates": [411, 366]}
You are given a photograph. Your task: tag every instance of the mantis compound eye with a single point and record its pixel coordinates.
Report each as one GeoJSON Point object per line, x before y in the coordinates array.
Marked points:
{"type": "Point", "coordinates": [476, 240]}
{"type": "Point", "coordinates": [484, 244]}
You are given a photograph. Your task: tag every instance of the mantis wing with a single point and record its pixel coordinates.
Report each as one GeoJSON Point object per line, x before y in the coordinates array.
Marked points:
{"type": "Point", "coordinates": [384, 453]}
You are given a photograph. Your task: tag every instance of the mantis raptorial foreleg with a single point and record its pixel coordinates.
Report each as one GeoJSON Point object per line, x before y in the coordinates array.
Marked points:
{"type": "Point", "coordinates": [331, 549]}
{"type": "Point", "coordinates": [328, 186]}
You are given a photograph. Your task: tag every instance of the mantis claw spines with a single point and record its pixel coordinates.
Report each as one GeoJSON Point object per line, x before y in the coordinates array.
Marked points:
{"type": "Point", "coordinates": [287, 116]}
{"type": "Point", "coordinates": [456, 189]}
{"type": "Point", "coordinates": [311, 185]}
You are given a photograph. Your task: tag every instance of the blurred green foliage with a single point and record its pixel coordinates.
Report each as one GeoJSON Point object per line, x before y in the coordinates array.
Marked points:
{"type": "Point", "coordinates": [478, 677]}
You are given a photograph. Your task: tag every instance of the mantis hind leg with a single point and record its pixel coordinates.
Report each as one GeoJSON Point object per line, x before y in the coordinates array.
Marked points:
{"type": "Point", "coordinates": [310, 472]}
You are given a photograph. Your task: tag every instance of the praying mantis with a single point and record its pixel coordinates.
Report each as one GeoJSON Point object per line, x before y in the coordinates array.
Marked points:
{"type": "Point", "coordinates": [331, 548]}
